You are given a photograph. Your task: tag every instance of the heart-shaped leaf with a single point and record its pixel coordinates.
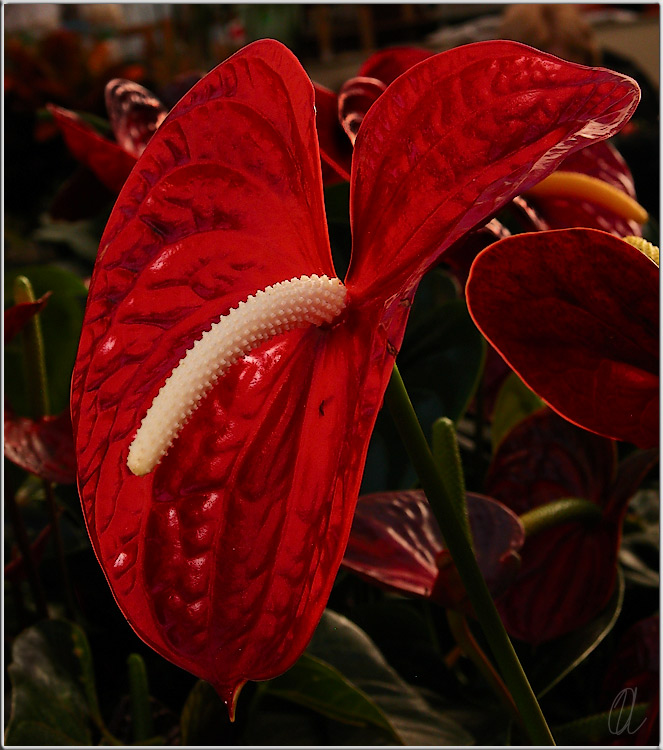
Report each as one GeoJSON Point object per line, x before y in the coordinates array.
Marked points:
{"type": "Point", "coordinates": [575, 314]}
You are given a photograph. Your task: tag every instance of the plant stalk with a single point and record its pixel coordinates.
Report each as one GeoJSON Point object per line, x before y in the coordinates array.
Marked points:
{"type": "Point", "coordinates": [398, 402]}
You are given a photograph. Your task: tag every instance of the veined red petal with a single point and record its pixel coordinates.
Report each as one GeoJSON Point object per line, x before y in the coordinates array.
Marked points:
{"type": "Point", "coordinates": [110, 162]}
{"type": "Point", "coordinates": [567, 572]}
{"type": "Point", "coordinates": [134, 112]}
{"type": "Point", "coordinates": [459, 136]}
{"type": "Point", "coordinates": [575, 314]}
{"type": "Point", "coordinates": [222, 558]}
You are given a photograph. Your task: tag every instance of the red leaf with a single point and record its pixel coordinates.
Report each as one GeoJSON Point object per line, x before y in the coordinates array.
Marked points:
{"type": "Point", "coordinates": [110, 163]}
{"type": "Point", "coordinates": [395, 542]}
{"type": "Point", "coordinates": [575, 314]}
{"type": "Point", "coordinates": [17, 316]}
{"type": "Point", "coordinates": [42, 446]}
{"type": "Point", "coordinates": [568, 572]}
{"type": "Point", "coordinates": [496, 118]}
{"type": "Point", "coordinates": [134, 112]}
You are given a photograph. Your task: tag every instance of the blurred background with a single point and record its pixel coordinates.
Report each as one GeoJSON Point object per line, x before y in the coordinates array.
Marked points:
{"type": "Point", "coordinates": [65, 53]}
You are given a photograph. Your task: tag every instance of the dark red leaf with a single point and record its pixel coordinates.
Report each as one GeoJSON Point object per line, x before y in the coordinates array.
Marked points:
{"type": "Point", "coordinates": [497, 118]}
{"type": "Point", "coordinates": [575, 314]}
{"type": "Point", "coordinates": [568, 572]}
{"type": "Point", "coordinates": [110, 162]}
{"type": "Point", "coordinates": [134, 112]}
{"type": "Point", "coordinates": [82, 196]}
{"type": "Point", "coordinates": [395, 542]}
{"type": "Point", "coordinates": [17, 316]}
{"type": "Point", "coordinates": [44, 446]}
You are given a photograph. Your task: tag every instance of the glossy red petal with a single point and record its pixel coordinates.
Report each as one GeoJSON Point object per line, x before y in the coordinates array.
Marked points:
{"type": "Point", "coordinates": [44, 446]}
{"type": "Point", "coordinates": [109, 162]}
{"type": "Point", "coordinates": [134, 113]}
{"type": "Point", "coordinates": [567, 572]}
{"type": "Point", "coordinates": [17, 316]}
{"type": "Point", "coordinates": [395, 542]}
{"type": "Point", "coordinates": [222, 558]}
{"type": "Point", "coordinates": [603, 161]}
{"type": "Point", "coordinates": [575, 314]}
{"type": "Point", "coordinates": [388, 64]}
{"type": "Point", "coordinates": [335, 148]}
{"type": "Point", "coordinates": [457, 138]}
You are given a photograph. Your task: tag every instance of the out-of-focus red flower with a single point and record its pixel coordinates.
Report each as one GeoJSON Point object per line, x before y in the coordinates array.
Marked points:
{"type": "Point", "coordinates": [567, 572]}
{"type": "Point", "coordinates": [575, 313]}
{"type": "Point", "coordinates": [135, 114]}
{"type": "Point", "coordinates": [223, 554]}
{"type": "Point", "coordinates": [396, 542]}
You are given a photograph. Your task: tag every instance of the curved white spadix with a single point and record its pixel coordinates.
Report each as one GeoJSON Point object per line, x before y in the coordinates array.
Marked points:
{"type": "Point", "coordinates": [308, 300]}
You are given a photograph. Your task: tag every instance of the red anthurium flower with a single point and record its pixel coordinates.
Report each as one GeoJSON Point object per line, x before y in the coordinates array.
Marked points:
{"type": "Point", "coordinates": [17, 316]}
{"type": "Point", "coordinates": [134, 114]}
{"type": "Point", "coordinates": [395, 542]}
{"type": "Point", "coordinates": [214, 281]}
{"type": "Point", "coordinates": [575, 313]}
{"type": "Point", "coordinates": [567, 572]}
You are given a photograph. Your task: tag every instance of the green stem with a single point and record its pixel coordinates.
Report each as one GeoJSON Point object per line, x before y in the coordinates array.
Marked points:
{"type": "Point", "coordinates": [467, 643]}
{"type": "Point", "coordinates": [37, 383]}
{"type": "Point", "coordinates": [399, 404]}
{"type": "Point", "coordinates": [558, 512]}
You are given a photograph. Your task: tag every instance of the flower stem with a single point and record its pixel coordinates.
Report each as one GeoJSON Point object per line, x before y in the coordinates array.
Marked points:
{"type": "Point", "coordinates": [558, 512]}
{"type": "Point", "coordinates": [33, 348]}
{"type": "Point", "coordinates": [401, 408]}
{"type": "Point", "coordinates": [141, 712]}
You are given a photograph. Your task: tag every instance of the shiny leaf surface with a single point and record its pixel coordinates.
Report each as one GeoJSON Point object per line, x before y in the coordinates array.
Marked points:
{"type": "Point", "coordinates": [497, 118]}
{"type": "Point", "coordinates": [575, 314]}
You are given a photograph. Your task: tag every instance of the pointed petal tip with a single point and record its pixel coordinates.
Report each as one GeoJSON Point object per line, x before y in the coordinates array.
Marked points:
{"type": "Point", "coordinates": [229, 695]}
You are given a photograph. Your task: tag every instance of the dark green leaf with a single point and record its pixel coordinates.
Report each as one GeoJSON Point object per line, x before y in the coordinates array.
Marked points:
{"type": "Point", "coordinates": [315, 684]}
{"type": "Point", "coordinates": [342, 644]}
{"type": "Point", "coordinates": [204, 716]}
{"type": "Point", "coordinates": [515, 401]}
{"type": "Point", "coordinates": [555, 659]}
{"type": "Point", "coordinates": [53, 685]}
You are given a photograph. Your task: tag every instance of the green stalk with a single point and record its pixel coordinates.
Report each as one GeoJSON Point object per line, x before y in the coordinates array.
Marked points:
{"type": "Point", "coordinates": [37, 383]}
{"type": "Point", "coordinates": [558, 512]}
{"type": "Point", "coordinates": [401, 408]}
{"type": "Point", "coordinates": [141, 712]}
